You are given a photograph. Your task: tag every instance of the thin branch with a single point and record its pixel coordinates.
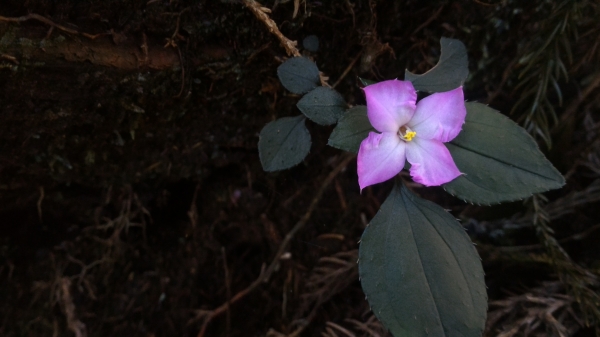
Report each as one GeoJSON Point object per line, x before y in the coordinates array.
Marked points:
{"type": "Point", "coordinates": [574, 237]}
{"type": "Point", "coordinates": [430, 20]}
{"type": "Point", "coordinates": [182, 73]}
{"type": "Point", "coordinates": [485, 4]}
{"type": "Point", "coordinates": [348, 68]}
{"type": "Point", "coordinates": [574, 106]}
{"type": "Point", "coordinates": [228, 287]}
{"type": "Point", "coordinates": [39, 204]}
{"type": "Point", "coordinates": [50, 23]}
{"type": "Point", "coordinates": [267, 272]}
{"type": "Point", "coordinates": [9, 58]}
{"type": "Point", "coordinates": [261, 13]}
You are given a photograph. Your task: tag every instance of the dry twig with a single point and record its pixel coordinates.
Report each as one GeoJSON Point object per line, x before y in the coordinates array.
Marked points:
{"type": "Point", "coordinates": [39, 204]}
{"type": "Point", "coordinates": [265, 273]}
{"type": "Point", "coordinates": [541, 310]}
{"type": "Point", "coordinates": [347, 70]}
{"type": "Point", "coordinates": [262, 14]}
{"type": "Point", "coordinates": [50, 23]}
{"type": "Point", "coordinates": [74, 324]}
{"type": "Point", "coordinates": [9, 58]}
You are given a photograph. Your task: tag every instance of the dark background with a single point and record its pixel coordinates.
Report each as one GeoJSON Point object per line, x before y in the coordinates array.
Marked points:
{"type": "Point", "coordinates": [133, 202]}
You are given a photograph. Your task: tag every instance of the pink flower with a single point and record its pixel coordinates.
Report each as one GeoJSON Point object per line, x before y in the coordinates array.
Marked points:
{"type": "Point", "coordinates": [410, 131]}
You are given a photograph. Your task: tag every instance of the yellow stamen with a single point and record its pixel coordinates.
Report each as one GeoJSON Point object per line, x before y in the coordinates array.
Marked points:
{"type": "Point", "coordinates": [409, 136]}
{"type": "Point", "coordinates": [406, 134]}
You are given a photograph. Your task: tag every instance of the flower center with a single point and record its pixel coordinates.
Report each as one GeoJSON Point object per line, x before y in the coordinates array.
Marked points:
{"type": "Point", "coordinates": [406, 133]}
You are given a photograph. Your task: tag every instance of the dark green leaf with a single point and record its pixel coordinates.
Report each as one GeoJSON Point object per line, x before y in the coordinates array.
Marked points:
{"type": "Point", "coordinates": [449, 73]}
{"type": "Point", "coordinates": [322, 105]}
{"type": "Point", "coordinates": [311, 43]}
{"type": "Point", "coordinates": [500, 161]}
{"type": "Point", "coordinates": [298, 75]}
{"type": "Point", "coordinates": [366, 82]}
{"type": "Point", "coordinates": [420, 271]}
{"type": "Point", "coordinates": [353, 127]}
{"type": "Point", "coordinates": [283, 143]}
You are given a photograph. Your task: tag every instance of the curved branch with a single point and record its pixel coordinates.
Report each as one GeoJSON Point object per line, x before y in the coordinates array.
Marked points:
{"type": "Point", "coordinates": [266, 273]}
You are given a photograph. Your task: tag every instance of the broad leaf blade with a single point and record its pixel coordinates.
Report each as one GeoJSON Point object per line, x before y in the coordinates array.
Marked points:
{"type": "Point", "coordinates": [449, 73]}
{"type": "Point", "coordinates": [352, 128]}
{"type": "Point", "coordinates": [298, 75]}
{"type": "Point", "coordinates": [420, 272]}
{"type": "Point", "coordinates": [322, 105]}
{"type": "Point", "coordinates": [499, 159]}
{"type": "Point", "coordinates": [283, 143]}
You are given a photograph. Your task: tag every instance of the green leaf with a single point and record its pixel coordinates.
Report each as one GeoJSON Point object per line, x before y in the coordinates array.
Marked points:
{"type": "Point", "coordinates": [449, 73]}
{"type": "Point", "coordinates": [420, 271]}
{"type": "Point", "coordinates": [299, 75]}
{"type": "Point", "coordinates": [365, 82]}
{"type": "Point", "coordinates": [283, 143]}
{"type": "Point", "coordinates": [499, 159]}
{"type": "Point", "coordinates": [352, 128]}
{"type": "Point", "coordinates": [322, 105]}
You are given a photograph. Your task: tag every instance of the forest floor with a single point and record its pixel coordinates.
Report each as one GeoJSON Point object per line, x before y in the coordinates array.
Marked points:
{"type": "Point", "coordinates": [132, 197]}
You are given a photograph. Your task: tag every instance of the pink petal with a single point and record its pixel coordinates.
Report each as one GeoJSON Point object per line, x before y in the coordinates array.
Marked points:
{"type": "Point", "coordinates": [440, 116]}
{"type": "Point", "coordinates": [390, 104]}
{"type": "Point", "coordinates": [431, 162]}
{"type": "Point", "coordinates": [380, 157]}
